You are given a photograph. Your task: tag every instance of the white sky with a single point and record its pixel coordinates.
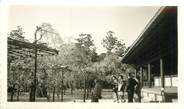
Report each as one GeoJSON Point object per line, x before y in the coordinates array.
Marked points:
{"type": "Point", "coordinates": [126, 22]}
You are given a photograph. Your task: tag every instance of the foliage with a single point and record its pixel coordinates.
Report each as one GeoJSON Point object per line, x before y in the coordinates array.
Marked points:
{"type": "Point", "coordinates": [113, 45]}
{"type": "Point", "coordinates": [85, 49]}
{"type": "Point", "coordinates": [49, 35]}
{"type": "Point", "coordinates": [20, 69]}
{"type": "Point", "coordinates": [109, 41]}
{"type": "Point", "coordinates": [18, 34]}
{"type": "Point", "coordinates": [75, 62]}
{"type": "Point", "coordinates": [20, 76]}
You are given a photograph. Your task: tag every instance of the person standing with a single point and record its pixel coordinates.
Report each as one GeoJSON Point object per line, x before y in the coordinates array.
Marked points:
{"type": "Point", "coordinates": [139, 87]}
{"type": "Point", "coordinates": [132, 83]}
{"type": "Point", "coordinates": [121, 88]}
{"type": "Point", "coordinates": [115, 88]}
{"type": "Point", "coordinates": [96, 93]}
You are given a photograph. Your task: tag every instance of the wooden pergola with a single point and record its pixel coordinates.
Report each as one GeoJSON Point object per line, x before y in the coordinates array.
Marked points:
{"type": "Point", "coordinates": [156, 49]}
{"type": "Point", "coordinates": [20, 48]}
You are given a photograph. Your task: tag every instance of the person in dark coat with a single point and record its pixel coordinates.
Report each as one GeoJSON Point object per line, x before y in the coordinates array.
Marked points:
{"type": "Point", "coordinates": [139, 87]}
{"type": "Point", "coordinates": [121, 88]}
{"type": "Point", "coordinates": [131, 84]}
{"type": "Point", "coordinates": [96, 93]}
{"type": "Point", "coordinates": [115, 88]}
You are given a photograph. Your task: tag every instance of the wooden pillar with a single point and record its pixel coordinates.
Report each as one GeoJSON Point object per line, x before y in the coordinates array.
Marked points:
{"type": "Point", "coordinates": [141, 76]}
{"type": "Point", "coordinates": [149, 75]}
{"type": "Point", "coordinates": [171, 83]}
{"type": "Point", "coordinates": [162, 73]}
{"type": "Point", "coordinates": [135, 72]}
{"type": "Point", "coordinates": [62, 86]}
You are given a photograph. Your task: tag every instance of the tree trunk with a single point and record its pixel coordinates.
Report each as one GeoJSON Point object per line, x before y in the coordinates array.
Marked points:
{"type": "Point", "coordinates": [12, 94]}
{"type": "Point", "coordinates": [31, 93]}
{"type": "Point", "coordinates": [71, 91]}
{"type": "Point", "coordinates": [64, 91]}
{"type": "Point", "coordinates": [18, 92]}
{"type": "Point", "coordinates": [87, 95]}
{"type": "Point", "coordinates": [84, 97]}
{"type": "Point", "coordinates": [53, 97]}
{"type": "Point", "coordinates": [62, 94]}
{"type": "Point", "coordinates": [58, 93]}
{"type": "Point", "coordinates": [12, 90]}
{"type": "Point", "coordinates": [89, 92]}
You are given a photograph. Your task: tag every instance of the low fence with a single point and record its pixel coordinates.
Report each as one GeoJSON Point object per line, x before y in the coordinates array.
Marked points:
{"type": "Point", "coordinates": [170, 81]}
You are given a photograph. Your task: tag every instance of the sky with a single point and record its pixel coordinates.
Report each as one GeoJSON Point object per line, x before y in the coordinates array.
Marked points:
{"type": "Point", "coordinates": [70, 21]}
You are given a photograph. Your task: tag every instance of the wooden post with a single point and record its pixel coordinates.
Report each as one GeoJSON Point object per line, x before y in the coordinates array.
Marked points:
{"type": "Point", "coordinates": [149, 75]}
{"type": "Point", "coordinates": [13, 87]}
{"type": "Point", "coordinates": [171, 83]}
{"type": "Point", "coordinates": [62, 87]}
{"type": "Point", "coordinates": [162, 74]}
{"type": "Point", "coordinates": [35, 71]}
{"type": "Point", "coordinates": [135, 72]}
{"type": "Point", "coordinates": [53, 95]}
{"type": "Point", "coordinates": [84, 96]}
{"type": "Point", "coordinates": [33, 89]}
{"type": "Point", "coordinates": [141, 74]}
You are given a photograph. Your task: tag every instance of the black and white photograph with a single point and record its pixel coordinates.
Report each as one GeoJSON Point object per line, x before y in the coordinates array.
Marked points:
{"type": "Point", "coordinates": [90, 54]}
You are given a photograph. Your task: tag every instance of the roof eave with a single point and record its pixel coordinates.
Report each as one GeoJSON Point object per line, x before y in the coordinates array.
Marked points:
{"type": "Point", "coordinates": [142, 35]}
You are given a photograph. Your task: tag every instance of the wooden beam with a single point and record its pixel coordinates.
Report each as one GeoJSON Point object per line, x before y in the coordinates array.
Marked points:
{"type": "Point", "coordinates": [149, 75]}
{"type": "Point", "coordinates": [29, 45]}
{"type": "Point", "coordinates": [141, 75]}
{"type": "Point", "coordinates": [162, 73]}
{"type": "Point", "coordinates": [19, 54]}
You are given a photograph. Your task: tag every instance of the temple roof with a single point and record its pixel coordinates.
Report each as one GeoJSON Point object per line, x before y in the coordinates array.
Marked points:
{"type": "Point", "coordinates": [158, 39]}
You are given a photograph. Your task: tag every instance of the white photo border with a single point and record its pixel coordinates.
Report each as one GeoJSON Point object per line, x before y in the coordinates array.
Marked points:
{"type": "Point", "coordinates": [4, 104]}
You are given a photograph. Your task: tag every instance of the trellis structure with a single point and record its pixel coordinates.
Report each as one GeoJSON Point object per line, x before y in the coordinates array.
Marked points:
{"type": "Point", "coordinates": [18, 48]}
{"type": "Point", "coordinates": [22, 49]}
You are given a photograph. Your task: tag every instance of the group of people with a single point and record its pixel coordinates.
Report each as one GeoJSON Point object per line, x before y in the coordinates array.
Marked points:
{"type": "Point", "coordinates": [131, 86]}
{"type": "Point", "coordinates": [120, 88]}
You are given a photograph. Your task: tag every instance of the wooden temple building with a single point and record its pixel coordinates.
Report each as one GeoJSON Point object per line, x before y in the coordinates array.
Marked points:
{"type": "Point", "coordinates": [154, 55]}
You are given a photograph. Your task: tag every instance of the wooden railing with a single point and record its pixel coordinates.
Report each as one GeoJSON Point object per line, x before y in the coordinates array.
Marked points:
{"type": "Point", "coordinates": [147, 84]}
{"type": "Point", "coordinates": [170, 81]}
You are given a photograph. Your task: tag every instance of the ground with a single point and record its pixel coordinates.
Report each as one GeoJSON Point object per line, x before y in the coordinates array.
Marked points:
{"type": "Point", "coordinates": [107, 96]}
